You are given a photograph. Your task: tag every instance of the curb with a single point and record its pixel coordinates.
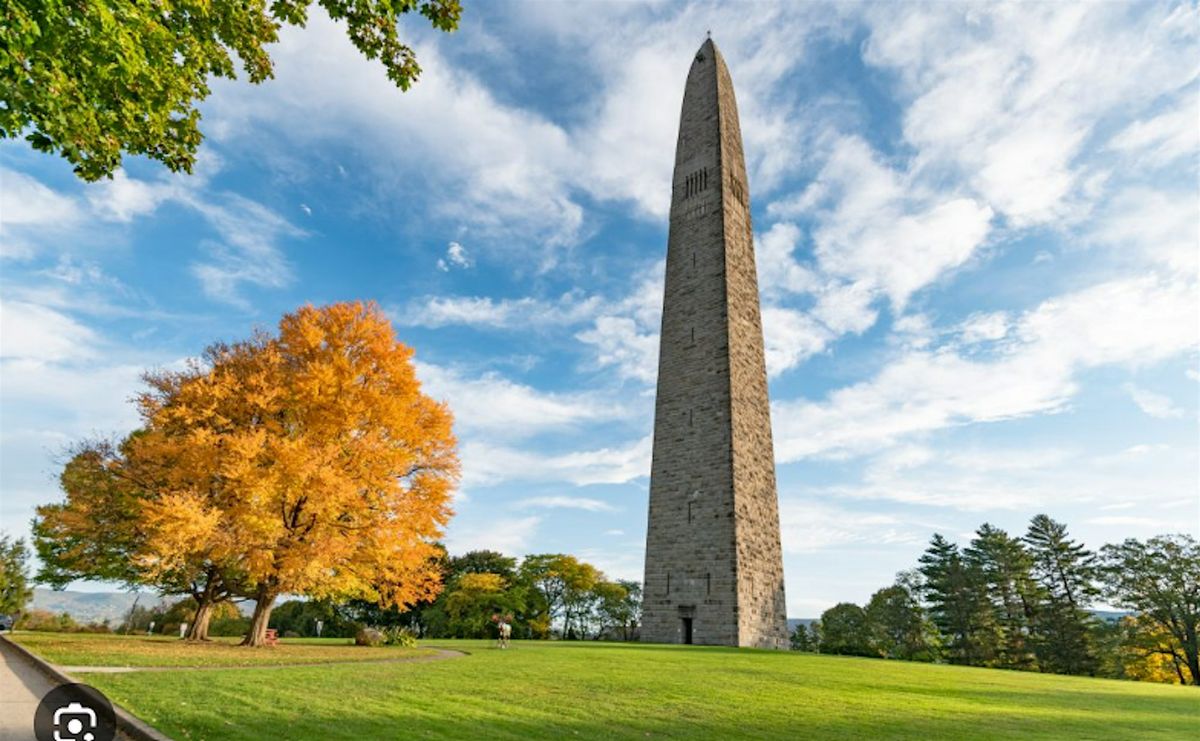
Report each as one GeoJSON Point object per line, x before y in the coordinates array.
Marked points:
{"type": "Point", "coordinates": [133, 727]}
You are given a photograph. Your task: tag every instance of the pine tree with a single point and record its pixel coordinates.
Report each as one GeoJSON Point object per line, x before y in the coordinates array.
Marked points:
{"type": "Point", "coordinates": [1066, 571]}
{"type": "Point", "coordinates": [1013, 595]}
{"type": "Point", "coordinates": [957, 604]}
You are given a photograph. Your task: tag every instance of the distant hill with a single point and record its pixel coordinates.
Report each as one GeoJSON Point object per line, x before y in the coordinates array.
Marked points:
{"type": "Point", "coordinates": [88, 607]}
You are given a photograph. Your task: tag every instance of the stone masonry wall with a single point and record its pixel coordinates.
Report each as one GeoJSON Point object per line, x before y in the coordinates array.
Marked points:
{"type": "Point", "coordinates": [712, 550]}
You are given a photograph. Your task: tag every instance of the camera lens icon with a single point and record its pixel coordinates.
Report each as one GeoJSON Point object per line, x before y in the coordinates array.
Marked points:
{"type": "Point", "coordinates": [74, 718]}
{"type": "Point", "coordinates": [74, 712]}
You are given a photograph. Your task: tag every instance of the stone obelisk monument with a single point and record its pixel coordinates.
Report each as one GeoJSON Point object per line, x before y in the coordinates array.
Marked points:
{"type": "Point", "coordinates": [714, 569]}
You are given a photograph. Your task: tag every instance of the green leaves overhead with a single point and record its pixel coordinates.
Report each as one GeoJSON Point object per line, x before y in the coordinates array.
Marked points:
{"type": "Point", "coordinates": [97, 79]}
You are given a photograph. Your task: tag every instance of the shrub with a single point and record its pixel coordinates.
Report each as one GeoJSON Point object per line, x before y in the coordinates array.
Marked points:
{"type": "Point", "coordinates": [368, 637]}
{"type": "Point", "coordinates": [396, 635]}
{"type": "Point", "coordinates": [44, 620]}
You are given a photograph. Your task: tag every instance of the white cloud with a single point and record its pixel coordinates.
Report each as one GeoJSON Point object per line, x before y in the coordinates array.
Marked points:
{"type": "Point", "coordinates": [1015, 479]}
{"type": "Point", "coordinates": [29, 332]}
{"type": "Point", "coordinates": [1157, 225]}
{"type": "Point", "coordinates": [28, 202]}
{"type": "Point", "coordinates": [876, 233]}
{"type": "Point", "coordinates": [505, 165]}
{"type": "Point", "coordinates": [30, 209]}
{"type": "Point", "coordinates": [1134, 321]}
{"type": "Point", "coordinates": [60, 381]}
{"type": "Point", "coordinates": [122, 198]}
{"type": "Point", "coordinates": [509, 535]}
{"type": "Point", "coordinates": [619, 343]}
{"type": "Point", "coordinates": [984, 327]}
{"type": "Point", "coordinates": [1155, 405]}
{"type": "Point", "coordinates": [248, 251]}
{"type": "Point", "coordinates": [485, 463]}
{"type": "Point", "coordinates": [876, 229]}
{"type": "Point", "coordinates": [456, 256]}
{"type": "Point", "coordinates": [483, 311]}
{"type": "Point", "coordinates": [1161, 139]}
{"type": "Point", "coordinates": [1142, 523]}
{"type": "Point", "coordinates": [790, 337]}
{"type": "Point", "coordinates": [562, 502]}
{"type": "Point", "coordinates": [779, 272]}
{"type": "Point", "coordinates": [806, 526]}
{"type": "Point", "coordinates": [1007, 96]}
{"type": "Point", "coordinates": [493, 405]}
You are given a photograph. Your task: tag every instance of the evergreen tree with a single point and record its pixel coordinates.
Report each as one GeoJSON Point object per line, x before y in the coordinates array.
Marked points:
{"type": "Point", "coordinates": [957, 604]}
{"type": "Point", "coordinates": [1007, 580]}
{"type": "Point", "coordinates": [15, 591]}
{"type": "Point", "coordinates": [1065, 571]}
{"type": "Point", "coordinates": [806, 638]}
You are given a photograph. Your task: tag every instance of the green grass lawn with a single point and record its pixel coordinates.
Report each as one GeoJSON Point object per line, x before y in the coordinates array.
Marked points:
{"type": "Point", "coordinates": [626, 691]}
{"type": "Point", "coordinates": [92, 649]}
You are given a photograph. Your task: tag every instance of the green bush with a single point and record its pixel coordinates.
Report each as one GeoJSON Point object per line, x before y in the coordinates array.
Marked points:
{"type": "Point", "coordinates": [396, 635]}
{"type": "Point", "coordinates": [44, 620]}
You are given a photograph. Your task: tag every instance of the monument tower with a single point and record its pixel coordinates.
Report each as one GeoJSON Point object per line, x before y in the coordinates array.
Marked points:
{"type": "Point", "coordinates": [714, 569]}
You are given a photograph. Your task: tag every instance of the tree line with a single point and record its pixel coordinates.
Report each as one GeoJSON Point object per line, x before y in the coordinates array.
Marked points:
{"type": "Point", "coordinates": [542, 596]}
{"type": "Point", "coordinates": [1026, 603]}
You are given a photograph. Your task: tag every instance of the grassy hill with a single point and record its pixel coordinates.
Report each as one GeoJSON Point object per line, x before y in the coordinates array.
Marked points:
{"type": "Point", "coordinates": [627, 691]}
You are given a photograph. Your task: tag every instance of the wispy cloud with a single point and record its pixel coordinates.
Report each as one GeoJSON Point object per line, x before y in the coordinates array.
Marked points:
{"type": "Point", "coordinates": [456, 257]}
{"type": "Point", "coordinates": [564, 502]}
{"type": "Point", "coordinates": [1129, 321]}
{"type": "Point", "coordinates": [1156, 405]}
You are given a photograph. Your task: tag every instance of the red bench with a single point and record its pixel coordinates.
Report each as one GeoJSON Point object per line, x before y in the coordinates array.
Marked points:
{"type": "Point", "coordinates": [272, 636]}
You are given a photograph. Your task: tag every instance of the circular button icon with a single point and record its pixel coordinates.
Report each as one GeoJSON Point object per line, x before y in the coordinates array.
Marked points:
{"type": "Point", "coordinates": [74, 712]}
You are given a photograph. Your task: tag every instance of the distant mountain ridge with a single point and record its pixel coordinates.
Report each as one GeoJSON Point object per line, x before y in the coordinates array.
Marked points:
{"type": "Point", "coordinates": [91, 607]}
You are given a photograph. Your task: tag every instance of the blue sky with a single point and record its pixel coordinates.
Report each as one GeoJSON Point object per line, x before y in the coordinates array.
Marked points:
{"type": "Point", "coordinates": [977, 231]}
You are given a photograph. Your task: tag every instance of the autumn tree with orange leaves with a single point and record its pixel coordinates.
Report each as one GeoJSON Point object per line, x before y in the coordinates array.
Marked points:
{"type": "Point", "coordinates": [100, 532]}
{"type": "Point", "coordinates": [307, 462]}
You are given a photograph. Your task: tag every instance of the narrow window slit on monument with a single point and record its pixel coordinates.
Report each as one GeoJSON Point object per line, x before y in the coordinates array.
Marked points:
{"type": "Point", "coordinates": [689, 511]}
{"type": "Point", "coordinates": [708, 583]}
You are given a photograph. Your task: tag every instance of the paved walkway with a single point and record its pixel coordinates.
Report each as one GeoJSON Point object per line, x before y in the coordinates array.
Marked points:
{"type": "Point", "coordinates": [22, 686]}
{"type": "Point", "coordinates": [21, 689]}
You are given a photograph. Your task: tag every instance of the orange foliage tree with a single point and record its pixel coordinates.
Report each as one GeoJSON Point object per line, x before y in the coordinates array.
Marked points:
{"type": "Point", "coordinates": [307, 462]}
{"type": "Point", "coordinates": [98, 532]}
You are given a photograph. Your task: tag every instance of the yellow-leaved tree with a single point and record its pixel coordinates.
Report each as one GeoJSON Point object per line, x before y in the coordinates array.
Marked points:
{"type": "Point", "coordinates": [308, 462]}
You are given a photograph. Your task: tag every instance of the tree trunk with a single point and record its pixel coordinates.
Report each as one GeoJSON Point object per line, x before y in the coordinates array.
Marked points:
{"type": "Point", "coordinates": [257, 635]}
{"type": "Point", "coordinates": [198, 630]}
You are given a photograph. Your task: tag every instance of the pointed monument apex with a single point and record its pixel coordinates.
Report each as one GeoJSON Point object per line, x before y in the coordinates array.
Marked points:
{"type": "Point", "coordinates": [714, 567]}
